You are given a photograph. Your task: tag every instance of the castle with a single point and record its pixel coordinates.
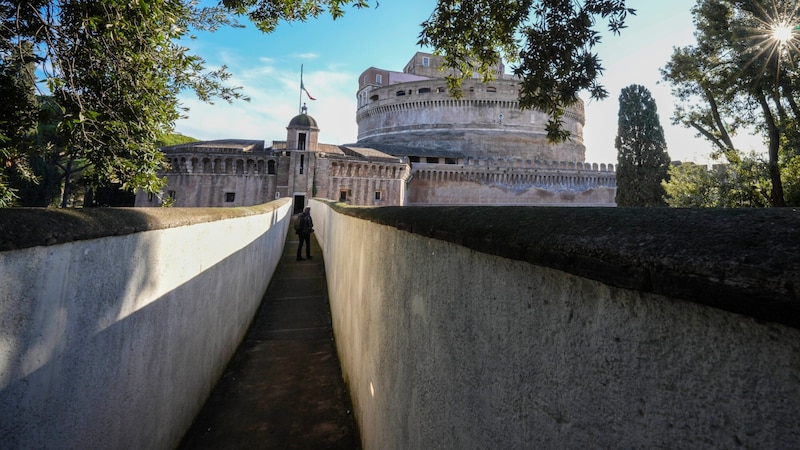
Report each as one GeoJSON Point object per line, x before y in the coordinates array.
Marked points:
{"type": "Point", "coordinates": [417, 145]}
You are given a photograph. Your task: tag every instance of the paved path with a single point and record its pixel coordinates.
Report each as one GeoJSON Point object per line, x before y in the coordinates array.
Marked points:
{"type": "Point", "coordinates": [283, 388]}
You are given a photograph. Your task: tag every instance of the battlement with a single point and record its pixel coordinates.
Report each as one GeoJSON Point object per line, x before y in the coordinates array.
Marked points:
{"type": "Point", "coordinates": [520, 176]}
{"type": "Point", "coordinates": [219, 163]}
{"type": "Point", "coordinates": [516, 163]}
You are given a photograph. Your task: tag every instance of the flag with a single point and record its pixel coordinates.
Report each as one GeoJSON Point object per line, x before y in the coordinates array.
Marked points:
{"type": "Point", "coordinates": [303, 87]}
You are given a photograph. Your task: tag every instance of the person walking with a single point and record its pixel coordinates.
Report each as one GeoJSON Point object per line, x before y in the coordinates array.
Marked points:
{"type": "Point", "coordinates": [304, 227]}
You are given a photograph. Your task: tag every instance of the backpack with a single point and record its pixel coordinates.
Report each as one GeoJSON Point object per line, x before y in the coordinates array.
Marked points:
{"type": "Point", "coordinates": [298, 223]}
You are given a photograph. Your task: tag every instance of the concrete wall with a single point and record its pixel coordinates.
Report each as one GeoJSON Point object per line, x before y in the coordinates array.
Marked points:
{"type": "Point", "coordinates": [566, 328]}
{"type": "Point", "coordinates": [115, 324]}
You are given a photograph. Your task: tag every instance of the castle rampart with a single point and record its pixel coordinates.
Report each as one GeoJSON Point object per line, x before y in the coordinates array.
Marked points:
{"type": "Point", "coordinates": [490, 181]}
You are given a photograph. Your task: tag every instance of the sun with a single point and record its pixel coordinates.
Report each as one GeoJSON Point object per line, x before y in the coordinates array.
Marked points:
{"type": "Point", "coordinates": [782, 32]}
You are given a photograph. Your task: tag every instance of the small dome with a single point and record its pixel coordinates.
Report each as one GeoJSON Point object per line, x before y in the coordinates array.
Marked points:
{"type": "Point", "coordinates": [303, 121]}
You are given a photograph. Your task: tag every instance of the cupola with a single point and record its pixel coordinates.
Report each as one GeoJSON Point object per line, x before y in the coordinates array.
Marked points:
{"type": "Point", "coordinates": [302, 133]}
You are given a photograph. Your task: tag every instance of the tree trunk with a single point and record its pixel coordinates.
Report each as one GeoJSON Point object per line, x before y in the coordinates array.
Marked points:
{"type": "Point", "coordinates": [67, 184]}
{"type": "Point", "coordinates": [776, 196]}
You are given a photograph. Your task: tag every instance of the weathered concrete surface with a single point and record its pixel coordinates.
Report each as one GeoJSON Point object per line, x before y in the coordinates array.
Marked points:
{"type": "Point", "coordinates": [30, 227]}
{"type": "Point", "coordinates": [565, 328]}
{"type": "Point", "coordinates": [114, 341]}
{"type": "Point", "coordinates": [741, 260]}
{"type": "Point", "coordinates": [283, 389]}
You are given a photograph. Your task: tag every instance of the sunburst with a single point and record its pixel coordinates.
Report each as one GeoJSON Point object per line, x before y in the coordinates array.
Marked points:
{"type": "Point", "coordinates": [776, 34]}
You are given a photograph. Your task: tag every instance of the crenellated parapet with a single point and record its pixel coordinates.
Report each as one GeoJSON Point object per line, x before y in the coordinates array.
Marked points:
{"type": "Point", "coordinates": [368, 169]}
{"type": "Point", "coordinates": [506, 163]}
{"type": "Point", "coordinates": [519, 176]}
{"type": "Point", "coordinates": [222, 164]}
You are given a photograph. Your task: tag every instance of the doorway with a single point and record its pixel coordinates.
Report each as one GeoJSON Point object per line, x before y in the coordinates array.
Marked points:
{"type": "Point", "coordinates": [299, 203]}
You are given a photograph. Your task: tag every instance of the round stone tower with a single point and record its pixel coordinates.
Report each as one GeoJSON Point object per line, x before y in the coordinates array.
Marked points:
{"type": "Point", "coordinates": [410, 110]}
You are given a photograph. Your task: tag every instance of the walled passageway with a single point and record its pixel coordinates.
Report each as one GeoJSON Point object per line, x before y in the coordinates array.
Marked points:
{"type": "Point", "coordinates": [283, 388]}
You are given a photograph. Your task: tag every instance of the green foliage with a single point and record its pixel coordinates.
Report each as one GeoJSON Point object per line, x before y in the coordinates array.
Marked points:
{"type": "Point", "coordinates": [550, 41]}
{"type": "Point", "coordinates": [267, 14]}
{"type": "Point", "coordinates": [790, 174]}
{"type": "Point", "coordinates": [690, 185]}
{"type": "Point", "coordinates": [738, 75]}
{"type": "Point", "coordinates": [114, 69]}
{"type": "Point", "coordinates": [642, 159]}
{"type": "Point", "coordinates": [174, 139]}
{"type": "Point", "coordinates": [40, 191]}
{"type": "Point", "coordinates": [744, 183]}
{"type": "Point", "coordinates": [18, 118]}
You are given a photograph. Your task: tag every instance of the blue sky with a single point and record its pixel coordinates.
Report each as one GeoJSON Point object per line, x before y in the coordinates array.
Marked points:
{"type": "Point", "coordinates": [334, 53]}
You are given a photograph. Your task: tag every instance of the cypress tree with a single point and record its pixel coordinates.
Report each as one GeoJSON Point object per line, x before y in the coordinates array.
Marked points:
{"type": "Point", "coordinates": [642, 158]}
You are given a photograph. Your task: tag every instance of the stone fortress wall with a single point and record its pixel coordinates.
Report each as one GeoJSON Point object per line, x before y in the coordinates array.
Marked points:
{"type": "Point", "coordinates": [203, 176]}
{"type": "Point", "coordinates": [207, 175]}
{"type": "Point", "coordinates": [481, 148]}
{"type": "Point", "coordinates": [360, 182]}
{"type": "Point", "coordinates": [490, 150]}
{"type": "Point", "coordinates": [513, 182]}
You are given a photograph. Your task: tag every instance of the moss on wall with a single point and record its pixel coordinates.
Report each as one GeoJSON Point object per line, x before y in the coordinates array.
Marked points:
{"type": "Point", "coordinates": [30, 227]}
{"type": "Point", "coordinates": [741, 260]}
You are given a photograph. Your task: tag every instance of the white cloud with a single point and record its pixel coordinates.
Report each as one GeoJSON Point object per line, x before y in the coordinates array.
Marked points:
{"type": "Point", "coordinates": [275, 99]}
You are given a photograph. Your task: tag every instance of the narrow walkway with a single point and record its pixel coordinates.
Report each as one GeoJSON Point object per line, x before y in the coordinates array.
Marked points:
{"type": "Point", "coordinates": [283, 388]}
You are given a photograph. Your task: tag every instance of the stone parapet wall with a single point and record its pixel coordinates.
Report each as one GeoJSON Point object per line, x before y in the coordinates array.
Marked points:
{"type": "Point", "coordinates": [492, 182]}
{"type": "Point", "coordinates": [115, 324]}
{"type": "Point", "coordinates": [364, 183]}
{"type": "Point", "coordinates": [467, 327]}
{"type": "Point", "coordinates": [203, 180]}
{"type": "Point", "coordinates": [217, 163]}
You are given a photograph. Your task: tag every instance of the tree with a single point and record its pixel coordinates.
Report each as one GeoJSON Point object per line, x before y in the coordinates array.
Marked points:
{"type": "Point", "coordinates": [742, 184]}
{"type": "Point", "coordinates": [740, 73]}
{"type": "Point", "coordinates": [267, 14]}
{"type": "Point", "coordinates": [642, 159]}
{"type": "Point", "coordinates": [691, 185]}
{"type": "Point", "coordinates": [18, 118]}
{"type": "Point", "coordinates": [114, 68]}
{"type": "Point", "coordinates": [550, 41]}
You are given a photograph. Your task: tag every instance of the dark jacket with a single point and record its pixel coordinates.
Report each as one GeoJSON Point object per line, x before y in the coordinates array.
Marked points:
{"type": "Point", "coordinates": [304, 224]}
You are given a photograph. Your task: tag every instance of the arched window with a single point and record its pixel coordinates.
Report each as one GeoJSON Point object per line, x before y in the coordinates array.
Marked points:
{"type": "Point", "coordinates": [491, 89]}
{"type": "Point", "coordinates": [424, 90]}
{"type": "Point", "coordinates": [271, 167]}
{"type": "Point", "coordinates": [399, 93]}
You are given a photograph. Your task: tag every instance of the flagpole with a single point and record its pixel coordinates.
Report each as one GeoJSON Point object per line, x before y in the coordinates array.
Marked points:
{"type": "Point", "coordinates": [300, 103]}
